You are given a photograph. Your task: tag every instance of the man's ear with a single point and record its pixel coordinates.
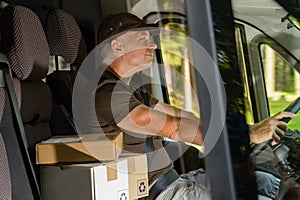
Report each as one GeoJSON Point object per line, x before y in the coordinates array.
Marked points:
{"type": "Point", "coordinates": [116, 46]}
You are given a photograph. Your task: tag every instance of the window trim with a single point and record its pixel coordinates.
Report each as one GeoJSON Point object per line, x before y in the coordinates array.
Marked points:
{"type": "Point", "coordinates": [247, 69]}
{"type": "Point", "coordinates": [261, 98]}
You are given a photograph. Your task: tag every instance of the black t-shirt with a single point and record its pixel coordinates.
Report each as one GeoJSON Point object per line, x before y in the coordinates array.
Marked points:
{"type": "Point", "coordinates": [115, 100]}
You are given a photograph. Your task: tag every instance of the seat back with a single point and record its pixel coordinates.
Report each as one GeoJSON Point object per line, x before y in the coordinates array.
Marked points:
{"type": "Point", "coordinates": [65, 40]}
{"type": "Point", "coordinates": [5, 183]}
{"type": "Point", "coordinates": [24, 43]}
{"type": "Point", "coordinates": [15, 181]}
{"type": "Point", "coordinates": [18, 180]}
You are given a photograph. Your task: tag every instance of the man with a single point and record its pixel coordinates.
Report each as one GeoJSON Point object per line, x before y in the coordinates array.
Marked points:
{"type": "Point", "coordinates": [127, 49]}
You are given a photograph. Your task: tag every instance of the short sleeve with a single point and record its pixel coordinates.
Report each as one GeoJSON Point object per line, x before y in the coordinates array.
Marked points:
{"type": "Point", "coordinates": [114, 102]}
{"type": "Point", "coordinates": [148, 98]}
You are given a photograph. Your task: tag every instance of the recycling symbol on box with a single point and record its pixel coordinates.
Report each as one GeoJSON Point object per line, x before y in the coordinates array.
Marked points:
{"type": "Point", "coordinates": [142, 187]}
{"type": "Point", "coordinates": [123, 196]}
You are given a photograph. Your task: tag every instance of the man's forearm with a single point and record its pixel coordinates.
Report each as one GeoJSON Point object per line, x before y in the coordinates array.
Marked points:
{"type": "Point", "coordinates": [189, 131]}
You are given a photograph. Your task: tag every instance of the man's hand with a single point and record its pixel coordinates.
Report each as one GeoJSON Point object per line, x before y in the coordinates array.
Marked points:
{"type": "Point", "coordinates": [270, 128]}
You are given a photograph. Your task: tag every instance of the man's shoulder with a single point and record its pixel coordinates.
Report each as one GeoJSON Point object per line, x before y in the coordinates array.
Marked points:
{"type": "Point", "coordinates": [107, 78]}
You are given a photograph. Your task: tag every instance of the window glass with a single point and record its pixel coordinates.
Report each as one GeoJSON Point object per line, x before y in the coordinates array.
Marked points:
{"type": "Point", "coordinates": [282, 82]}
{"type": "Point", "coordinates": [179, 72]}
{"type": "Point", "coordinates": [61, 63]}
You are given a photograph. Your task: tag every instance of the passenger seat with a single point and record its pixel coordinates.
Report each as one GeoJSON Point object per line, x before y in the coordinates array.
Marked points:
{"type": "Point", "coordinates": [15, 182]}
{"type": "Point", "coordinates": [65, 39]}
{"type": "Point", "coordinates": [24, 43]}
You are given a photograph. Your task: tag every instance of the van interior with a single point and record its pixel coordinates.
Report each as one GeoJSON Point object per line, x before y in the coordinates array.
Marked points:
{"type": "Point", "coordinates": [230, 63]}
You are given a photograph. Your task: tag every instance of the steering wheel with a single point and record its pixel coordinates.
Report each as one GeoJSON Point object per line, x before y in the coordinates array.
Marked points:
{"type": "Point", "coordinates": [294, 107]}
{"type": "Point", "coordinates": [287, 150]}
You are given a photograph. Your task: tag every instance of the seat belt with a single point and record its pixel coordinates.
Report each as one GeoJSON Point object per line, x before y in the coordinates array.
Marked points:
{"type": "Point", "coordinates": [149, 149]}
{"type": "Point", "coordinates": [165, 179]}
{"type": "Point", "coordinates": [162, 181]}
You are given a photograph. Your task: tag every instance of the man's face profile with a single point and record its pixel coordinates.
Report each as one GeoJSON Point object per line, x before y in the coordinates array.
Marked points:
{"type": "Point", "coordinates": [138, 48]}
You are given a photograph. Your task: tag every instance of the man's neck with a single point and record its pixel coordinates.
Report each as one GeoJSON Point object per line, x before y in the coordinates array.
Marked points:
{"type": "Point", "coordinates": [117, 73]}
{"type": "Point", "coordinates": [122, 69]}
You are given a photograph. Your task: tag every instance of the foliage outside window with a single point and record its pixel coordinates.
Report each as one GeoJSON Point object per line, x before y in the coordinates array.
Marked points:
{"type": "Point", "coordinates": [61, 63]}
{"type": "Point", "coordinates": [282, 82]}
{"type": "Point", "coordinates": [179, 73]}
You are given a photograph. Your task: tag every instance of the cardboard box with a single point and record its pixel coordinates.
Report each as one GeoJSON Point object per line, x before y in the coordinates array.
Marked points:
{"type": "Point", "coordinates": [137, 175]}
{"type": "Point", "coordinates": [80, 149]}
{"type": "Point", "coordinates": [126, 178]}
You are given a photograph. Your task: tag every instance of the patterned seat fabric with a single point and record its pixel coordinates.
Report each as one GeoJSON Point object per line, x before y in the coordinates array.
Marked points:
{"type": "Point", "coordinates": [64, 37]}
{"type": "Point", "coordinates": [25, 45]}
{"type": "Point", "coordinates": [14, 182]}
{"type": "Point", "coordinates": [5, 183]}
{"type": "Point", "coordinates": [65, 40]}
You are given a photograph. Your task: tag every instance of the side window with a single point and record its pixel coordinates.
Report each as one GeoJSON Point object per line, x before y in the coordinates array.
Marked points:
{"type": "Point", "coordinates": [61, 63]}
{"type": "Point", "coordinates": [179, 72]}
{"type": "Point", "coordinates": [272, 82]}
{"type": "Point", "coordinates": [282, 82]}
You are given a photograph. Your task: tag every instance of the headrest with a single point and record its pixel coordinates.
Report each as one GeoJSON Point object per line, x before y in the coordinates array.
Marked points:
{"type": "Point", "coordinates": [24, 42]}
{"type": "Point", "coordinates": [64, 37]}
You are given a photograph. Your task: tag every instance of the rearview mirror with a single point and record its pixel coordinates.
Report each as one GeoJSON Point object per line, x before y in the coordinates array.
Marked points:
{"type": "Point", "coordinates": [293, 21]}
